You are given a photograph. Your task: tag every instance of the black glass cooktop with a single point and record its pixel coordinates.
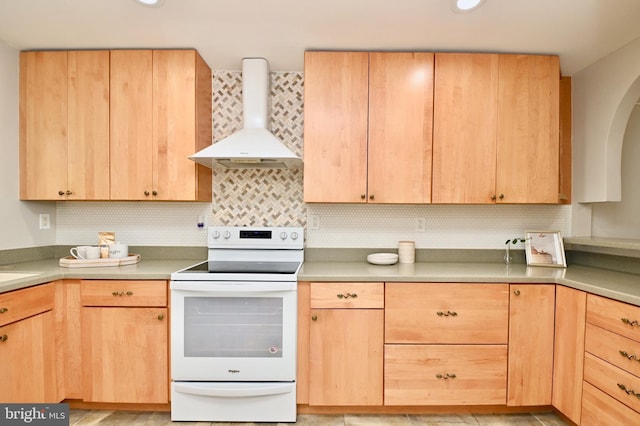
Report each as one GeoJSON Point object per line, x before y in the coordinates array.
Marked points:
{"type": "Point", "coordinates": [236, 267]}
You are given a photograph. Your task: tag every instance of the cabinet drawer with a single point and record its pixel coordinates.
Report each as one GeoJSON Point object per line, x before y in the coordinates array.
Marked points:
{"type": "Point", "coordinates": [619, 384]}
{"type": "Point", "coordinates": [445, 374]}
{"type": "Point", "coordinates": [123, 293]}
{"type": "Point", "coordinates": [615, 316]}
{"type": "Point", "coordinates": [618, 350]}
{"type": "Point", "coordinates": [347, 295]}
{"type": "Point", "coordinates": [599, 409]}
{"type": "Point", "coordinates": [19, 304]}
{"type": "Point", "coordinates": [446, 313]}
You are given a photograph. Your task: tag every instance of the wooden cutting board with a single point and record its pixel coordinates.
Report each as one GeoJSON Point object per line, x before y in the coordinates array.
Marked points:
{"type": "Point", "coordinates": [72, 262]}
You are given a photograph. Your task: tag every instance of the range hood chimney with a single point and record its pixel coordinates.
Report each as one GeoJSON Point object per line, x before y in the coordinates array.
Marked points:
{"type": "Point", "coordinates": [253, 147]}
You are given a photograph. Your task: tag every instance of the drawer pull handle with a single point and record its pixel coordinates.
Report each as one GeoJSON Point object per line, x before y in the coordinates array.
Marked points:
{"type": "Point", "coordinates": [3, 338]}
{"type": "Point", "coordinates": [347, 295]}
{"type": "Point", "coordinates": [446, 376]}
{"type": "Point", "coordinates": [629, 322]}
{"type": "Point", "coordinates": [517, 292]}
{"type": "Point", "coordinates": [628, 391]}
{"type": "Point", "coordinates": [161, 317]}
{"type": "Point", "coordinates": [122, 293]}
{"type": "Point", "coordinates": [314, 318]}
{"type": "Point", "coordinates": [3, 310]}
{"type": "Point", "coordinates": [629, 356]}
{"type": "Point", "coordinates": [447, 314]}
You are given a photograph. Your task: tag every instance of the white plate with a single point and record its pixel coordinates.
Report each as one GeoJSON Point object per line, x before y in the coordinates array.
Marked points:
{"type": "Point", "coordinates": [382, 258]}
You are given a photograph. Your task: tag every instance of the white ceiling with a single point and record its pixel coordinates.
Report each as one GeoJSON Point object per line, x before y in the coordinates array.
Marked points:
{"type": "Point", "coordinates": [225, 31]}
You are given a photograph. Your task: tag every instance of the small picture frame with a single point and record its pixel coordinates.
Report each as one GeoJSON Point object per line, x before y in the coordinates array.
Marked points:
{"type": "Point", "coordinates": [544, 248]}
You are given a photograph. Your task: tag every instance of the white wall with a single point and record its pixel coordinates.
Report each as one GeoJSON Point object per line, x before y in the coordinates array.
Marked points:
{"type": "Point", "coordinates": [604, 95]}
{"type": "Point", "coordinates": [18, 219]}
{"type": "Point", "coordinates": [622, 219]}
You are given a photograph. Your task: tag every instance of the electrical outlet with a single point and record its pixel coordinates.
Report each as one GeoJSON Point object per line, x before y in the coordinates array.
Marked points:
{"type": "Point", "coordinates": [45, 221]}
{"type": "Point", "coordinates": [421, 224]}
{"type": "Point", "coordinates": [314, 221]}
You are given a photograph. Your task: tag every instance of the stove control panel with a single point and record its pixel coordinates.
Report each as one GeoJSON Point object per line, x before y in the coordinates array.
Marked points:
{"type": "Point", "coordinates": [255, 237]}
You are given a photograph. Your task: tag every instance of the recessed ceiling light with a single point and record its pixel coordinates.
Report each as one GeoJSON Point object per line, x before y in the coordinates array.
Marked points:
{"type": "Point", "coordinates": [466, 5]}
{"type": "Point", "coordinates": [150, 3]}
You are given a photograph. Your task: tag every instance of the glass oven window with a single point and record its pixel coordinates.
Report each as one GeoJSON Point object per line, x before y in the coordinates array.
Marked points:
{"type": "Point", "coordinates": [233, 327]}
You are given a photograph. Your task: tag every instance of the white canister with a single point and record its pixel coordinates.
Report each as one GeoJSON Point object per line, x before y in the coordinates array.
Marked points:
{"type": "Point", "coordinates": [407, 251]}
{"type": "Point", "coordinates": [118, 250]}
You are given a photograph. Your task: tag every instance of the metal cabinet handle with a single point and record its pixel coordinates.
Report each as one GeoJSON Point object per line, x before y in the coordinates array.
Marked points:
{"type": "Point", "coordinates": [446, 376]}
{"type": "Point", "coordinates": [154, 192]}
{"type": "Point", "coordinates": [501, 196]}
{"type": "Point", "coordinates": [314, 318]}
{"type": "Point", "coordinates": [60, 192]}
{"type": "Point", "coordinates": [447, 314]}
{"type": "Point", "coordinates": [362, 196]}
{"type": "Point", "coordinates": [371, 197]}
{"type": "Point", "coordinates": [516, 292]}
{"type": "Point", "coordinates": [629, 391]}
{"type": "Point", "coordinates": [160, 317]}
{"type": "Point", "coordinates": [346, 295]}
{"type": "Point", "coordinates": [122, 293]}
{"type": "Point", "coordinates": [3, 338]}
{"type": "Point", "coordinates": [69, 192]}
{"type": "Point", "coordinates": [630, 322]}
{"type": "Point", "coordinates": [3, 310]}
{"type": "Point", "coordinates": [146, 193]}
{"type": "Point", "coordinates": [493, 197]}
{"type": "Point", "coordinates": [629, 356]}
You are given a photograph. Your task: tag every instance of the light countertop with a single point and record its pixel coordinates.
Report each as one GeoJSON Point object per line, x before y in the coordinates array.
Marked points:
{"type": "Point", "coordinates": [616, 285]}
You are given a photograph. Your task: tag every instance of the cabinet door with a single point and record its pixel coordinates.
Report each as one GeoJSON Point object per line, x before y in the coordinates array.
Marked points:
{"type": "Point", "coordinates": [346, 363]}
{"type": "Point", "coordinates": [531, 320]}
{"type": "Point", "coordinates": [464, 128]}
{"type": "Point", "coordinates": [28, 355]}
{"type": "Point", "coordinates": [131, 111]}
{"type": "Point", "coordinates": [43, 125]}
{"type": "Point", "coordinates": [568, 360]}
{"type": "Point", "coordinates": [335, 126]}
{"type": "Point", "coordinates": [175, 74]}
{"type": "Point", "coordinates": [125, 355]}
{"type": "Point", "coordinates": [88, 122]}
{"type": "Point", "coordinates": [400, 127]}
{"type": "Point", "coordinates": [528, 141]}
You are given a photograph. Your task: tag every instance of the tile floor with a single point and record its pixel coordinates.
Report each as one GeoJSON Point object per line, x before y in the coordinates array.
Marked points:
{"type": "Point", "coordinates": [135, 418]}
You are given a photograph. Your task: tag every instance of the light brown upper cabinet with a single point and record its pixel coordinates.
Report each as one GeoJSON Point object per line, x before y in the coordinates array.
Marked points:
{"type": "Point", "coordinates": [64, 125]}
{"type": "Point", "coordinates": [496, 128]}
{"type": "Point", "coordinates": [368, 127]}
{"type": "Point", "coordinates": [160, 114]}
{"type": "Point", "coordinates": [119, 125]}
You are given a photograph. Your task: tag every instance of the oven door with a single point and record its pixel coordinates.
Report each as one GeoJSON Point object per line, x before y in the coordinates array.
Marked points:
{"type": "Point", "coordinates": [233, 331]}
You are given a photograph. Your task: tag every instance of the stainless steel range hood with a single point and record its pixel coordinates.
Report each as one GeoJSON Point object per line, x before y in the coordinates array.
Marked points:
{"type": "Point", "coordinates": [253, 147]}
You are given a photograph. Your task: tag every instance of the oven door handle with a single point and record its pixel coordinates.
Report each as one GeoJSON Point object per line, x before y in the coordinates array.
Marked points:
{"type": "Point", "coordinates": [246, 390]}
{"type": "Point", "coordinates": [229, 287]}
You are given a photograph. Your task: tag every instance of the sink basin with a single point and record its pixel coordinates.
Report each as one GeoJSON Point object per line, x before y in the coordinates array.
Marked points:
{"type": "Point", "coordinates": [8, 276]}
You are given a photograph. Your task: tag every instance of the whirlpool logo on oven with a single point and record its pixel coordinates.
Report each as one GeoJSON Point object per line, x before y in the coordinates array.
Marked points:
{"type": "Point", "coordinates": [34, 414]}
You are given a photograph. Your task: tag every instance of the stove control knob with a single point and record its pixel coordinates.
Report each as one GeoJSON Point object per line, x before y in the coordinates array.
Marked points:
{"type": "Point", "coordinates": [294, 235]}
{"type": "Point", "coordinates": [227, 235]}
{"type": "Point", "coordinates": [283, 235]}
{"type": "Point", "coordinates": [216, 235]}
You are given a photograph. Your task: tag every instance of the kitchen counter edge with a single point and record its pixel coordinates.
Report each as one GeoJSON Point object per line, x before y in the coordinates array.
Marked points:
{"type": "Point", "coordinates": [620, 286]}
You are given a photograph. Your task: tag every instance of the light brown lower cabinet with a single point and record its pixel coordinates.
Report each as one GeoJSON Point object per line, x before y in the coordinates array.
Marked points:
{"type": "Point", "coordinates": [27, 346]}
{"type": "Point", "coordinates": [568, 360]}
{"type": "Point", "coordinates": [531, 322]}
{"type": "Point", "coordinates": [125, 341]}
{"type": "Point", "coordinates": [445, 374]}
{"type": "Point", "coordinates": [346, 344]}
